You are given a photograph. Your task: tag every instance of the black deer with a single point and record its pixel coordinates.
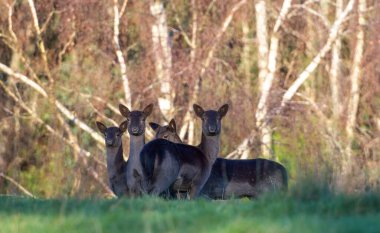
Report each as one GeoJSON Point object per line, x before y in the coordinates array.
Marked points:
{"type": "Point", "coordinates": [168, 132]}
{"type": "Point", "coordinates": [116, 166]}
{"type": "Point", "coordinates": [234, 178]}
{"type": "Point", "coordinates": [136, 130]}
{"type": "Point", "coordinates": [173, 166]}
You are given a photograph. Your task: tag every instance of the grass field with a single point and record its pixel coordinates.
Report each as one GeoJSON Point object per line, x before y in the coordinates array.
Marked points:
{"type": "Point", "coordinates": [310, 212]}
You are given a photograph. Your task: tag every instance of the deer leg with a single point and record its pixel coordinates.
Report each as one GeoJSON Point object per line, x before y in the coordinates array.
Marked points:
{"type": "Point", "coordinates": [198, 184]}
{"type": "Point", "coordinates": [161, 184]}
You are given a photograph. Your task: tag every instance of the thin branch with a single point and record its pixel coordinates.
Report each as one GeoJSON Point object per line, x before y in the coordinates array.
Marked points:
{"type": "Point", "coordinates": [219, 35]}
{"type": "Point", "coordinates": [183, 33]}
{"type": "Point", "coordinates": [323, 19]}
{"type": "Point", "coordinates": [123, 7]}
{"type": "Point", "coordinates": [41, 44]}
{"type": "Point", "coordinates": [10, 22]}
{"type": "Point", "coordinates": [19, 186]}
{"type": "Point", "coordinates": [47, 21]}
{"type": "Point", "coordinates": [69, 43]}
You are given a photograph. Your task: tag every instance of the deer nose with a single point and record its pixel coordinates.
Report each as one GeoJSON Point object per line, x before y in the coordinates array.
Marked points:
{"type": "Point", "coordinates": [109, 142]}
{"type": "Point", "coordinates": [135, 130]}
{"type": "Point", "coordinates": [212, 128]}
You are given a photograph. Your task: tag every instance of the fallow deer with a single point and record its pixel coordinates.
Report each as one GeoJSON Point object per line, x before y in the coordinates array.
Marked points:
{"type": "Point", "coordinates": [116, 166]}
{"type": "Point", "coordinates": [232, 178]}
{"type": "Point", "coordinates": [136, 130]}
{"type": "Point", "coordinates": [173, 166]}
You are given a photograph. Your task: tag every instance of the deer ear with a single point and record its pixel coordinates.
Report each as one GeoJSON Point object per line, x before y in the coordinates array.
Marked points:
{"type": "Point", "coordinates": [198, 110]}
{"type": "Point", "coordinates": [102, 128]}
{"type": "Point", "coordinates": [223, 110]}
{"type": "Point", "coordinates": [148, 110]}
{"type": "Point", "coordinates": [154, 126]}
{"type": "Point", "coordinates": [124, 110]}
{"type": "Point", "coordinates": [123, 126]}
{"type": "Point", "coordinates": [172, 125]}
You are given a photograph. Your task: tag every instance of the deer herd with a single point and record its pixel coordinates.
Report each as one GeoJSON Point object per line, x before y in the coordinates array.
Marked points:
{"type": "Point", "coordinates": [169, 168]}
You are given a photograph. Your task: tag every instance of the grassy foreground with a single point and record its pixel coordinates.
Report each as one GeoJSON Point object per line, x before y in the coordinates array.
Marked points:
{"type": "Point", "coordinates": [283, 213]}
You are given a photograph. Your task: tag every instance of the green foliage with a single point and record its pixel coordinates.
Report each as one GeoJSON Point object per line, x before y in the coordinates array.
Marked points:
{"type": "Point", "coordinates": [295, 212]}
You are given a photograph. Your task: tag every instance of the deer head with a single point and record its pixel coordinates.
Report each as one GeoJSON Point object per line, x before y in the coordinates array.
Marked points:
{"type": "Point", "coordinates": [112, 135]}
{"type": "Point", "coordinates": [211, 119]}
{"type": "Point", "coordinates": [136, 119]}
{"type": "Point", "coordinates": [168, 132]}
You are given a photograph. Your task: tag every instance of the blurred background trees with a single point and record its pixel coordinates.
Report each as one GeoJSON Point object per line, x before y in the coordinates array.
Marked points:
{"type": "Point", "coordinates": [302, 79]}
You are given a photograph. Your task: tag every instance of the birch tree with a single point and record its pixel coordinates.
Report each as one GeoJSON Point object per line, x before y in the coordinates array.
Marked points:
{"type": "Point", "coordinates": [267, 63]}
{"type": "Point", "coordinates": [163, 59]}
{"type": "Point", "coordinates": [335, 70]}
{"type": "Point", "coordinates": [354, 97]}
{"type": "Point", "coordinates": [120, 57]}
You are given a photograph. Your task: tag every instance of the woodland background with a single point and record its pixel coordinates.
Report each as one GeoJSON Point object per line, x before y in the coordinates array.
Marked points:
{"type": "Point", "coordinates": [302, 79]}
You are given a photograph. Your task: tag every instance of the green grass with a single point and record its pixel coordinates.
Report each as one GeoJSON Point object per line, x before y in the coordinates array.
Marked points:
{"type": "Point", "coordinates": [310, 212]}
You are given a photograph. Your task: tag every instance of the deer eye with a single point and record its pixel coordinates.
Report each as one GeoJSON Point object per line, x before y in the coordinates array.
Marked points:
{"type": "Point", "coordinates": [166, 136]}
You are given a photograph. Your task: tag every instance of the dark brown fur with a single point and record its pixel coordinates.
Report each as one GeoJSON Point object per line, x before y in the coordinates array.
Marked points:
{"type": "Point", "coordinates": [116, 166]}
{"type": "Point", "coordinates": [178, 167]}
{"type": "Point", "coordinates": [136, 129]}
{"type": "Point", "coordinates": [234, 178]}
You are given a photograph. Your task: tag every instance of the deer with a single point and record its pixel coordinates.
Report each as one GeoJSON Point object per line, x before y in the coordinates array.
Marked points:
{"type": "Point", "coordinates": [231, 178]}
{"type": "Point", "coordinates": [136, 129]}
{"type": "Point", "coordinates": [168, 132]}
{"type": "Point", "coordinates": [180, 167]}
{"type": "Point", "coordinates": [173, 167]}
{"type": "Point", "coordinates": [116, 166]}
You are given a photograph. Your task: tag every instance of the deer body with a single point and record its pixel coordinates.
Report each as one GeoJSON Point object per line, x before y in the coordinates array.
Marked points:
{"type": "Point", "coordinates": [176, 166]}
{"type": "Point", "coordinates": [244, 178]}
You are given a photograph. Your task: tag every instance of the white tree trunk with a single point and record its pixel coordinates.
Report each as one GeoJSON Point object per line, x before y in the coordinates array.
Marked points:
{"type": "Point", "coordinates": [335, 70]}
{"type": "Point", "coordinates": [266, 75]}
{"type": "Point", "coordinates": [353, 103]}
{"type": "Point", "coordinates": [120, 57]}
{"type": "Point", "coordinates": [262, 40]}
{"type": "Point", "coordinates": [163, 59]}
{"type": "Point", "coordinates": [246, 59]}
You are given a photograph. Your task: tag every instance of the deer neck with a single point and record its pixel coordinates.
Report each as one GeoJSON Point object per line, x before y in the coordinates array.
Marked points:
{"type": "Point", "coordinates": [115, 161]}
{"type": "Point", "coordinates": [136, 145]}
{"type": "Point", "coordinates": [210, 146]}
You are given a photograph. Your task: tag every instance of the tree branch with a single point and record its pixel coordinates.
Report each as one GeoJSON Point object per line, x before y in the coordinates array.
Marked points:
{"type": "Point", "coordinates": [19, 186]}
